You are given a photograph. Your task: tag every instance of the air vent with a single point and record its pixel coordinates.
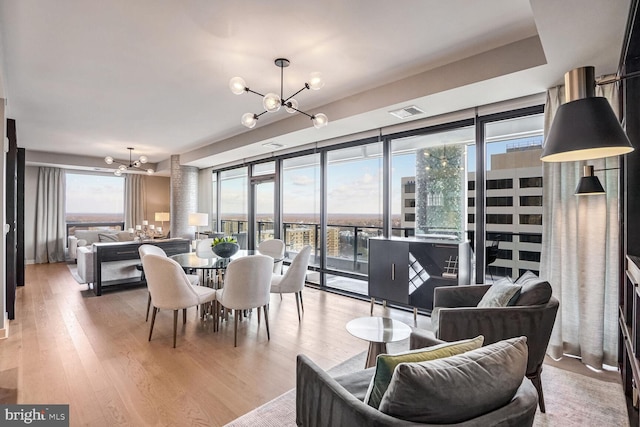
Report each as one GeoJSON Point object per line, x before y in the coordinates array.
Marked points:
{"type": "Point", "coordinates": [406, 112]}
{"type": "Point", "coordinates": [273, 145]}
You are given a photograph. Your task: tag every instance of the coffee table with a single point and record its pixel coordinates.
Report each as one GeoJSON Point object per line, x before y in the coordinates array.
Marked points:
{"type": "Point", "coordinates": [378, 331]}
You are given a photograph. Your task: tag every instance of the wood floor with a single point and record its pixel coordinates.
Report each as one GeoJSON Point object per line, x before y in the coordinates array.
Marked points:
{"type": "Point", "coordinates": [69, 346]}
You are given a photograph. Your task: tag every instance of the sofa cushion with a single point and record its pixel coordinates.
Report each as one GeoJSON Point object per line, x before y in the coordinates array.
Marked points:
{"type": "Point", "coordinates": [387, 363]}
{"type": "Point", "coordinates": [535, 291]}
{"type": "Point", "coordinates": [457, 388]}
{"type": "Point", "coordinates": [500, 293]}
{"type": "Point", "coordinates": [107, 237]}
{"type": "Point", "coordinates": [125, 236]}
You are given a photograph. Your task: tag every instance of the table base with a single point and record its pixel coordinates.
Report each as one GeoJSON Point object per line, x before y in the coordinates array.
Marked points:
{"type": "Point", "coordinates": [375, 348]}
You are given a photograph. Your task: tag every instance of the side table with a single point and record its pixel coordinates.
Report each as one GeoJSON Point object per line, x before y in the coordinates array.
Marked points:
{"type": "Point", "coordinates": [378, 331]}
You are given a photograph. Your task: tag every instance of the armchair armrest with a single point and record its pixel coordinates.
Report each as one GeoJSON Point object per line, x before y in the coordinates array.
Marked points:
{"type": "Point", "coordinates": [321, 401]}
{"type": "Point", "coordinates": [459, 296]}
{"type": "Point", "coordinates": [421, 339]}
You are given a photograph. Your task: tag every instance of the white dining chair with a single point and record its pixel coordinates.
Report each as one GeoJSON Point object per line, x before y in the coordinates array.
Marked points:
{"type": "Point", "coordinates": [292, 281]}
{"type": "Point", "coordinates": [143, 250]}
{"type": "Point", "coordinates": [246, 286]}
{"type": "Point", "coordinates": [171, 289]}
{"type": "Point", "coordinates": [203, 248]}
{"type": "Point", "coordinates": [275, 249]}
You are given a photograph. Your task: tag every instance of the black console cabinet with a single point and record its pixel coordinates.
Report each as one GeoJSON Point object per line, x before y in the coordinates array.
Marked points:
{"type": "Point", "coordinates": [107, 252]}
{"type": "Point", "coordinates": [405, 271]}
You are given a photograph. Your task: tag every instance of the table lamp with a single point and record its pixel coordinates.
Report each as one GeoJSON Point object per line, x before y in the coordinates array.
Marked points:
{"type": "Point", "coordinates": [162, 217]}
{"type": "Point", "coordinates": [197, 220]}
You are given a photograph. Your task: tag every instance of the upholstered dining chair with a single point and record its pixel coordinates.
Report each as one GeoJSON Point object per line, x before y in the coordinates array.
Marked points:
{"type": "Point", "coordinates": [171, 289]}
{"type": "Point", "coordinates": [246, 286]}
{"type": "Point", "coordinates": [275, 249]}
{"type": "Point", "coordinates": [203, 248]}
{"type": "Point", "coordinates": [155, 250]}
{"type": "Point", "coordinates": [292, 281]}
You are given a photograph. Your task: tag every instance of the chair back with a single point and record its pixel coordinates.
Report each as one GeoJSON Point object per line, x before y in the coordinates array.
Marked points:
{"type": "Point", "coordinates": [247, 282]}
{"type": "Point", "coordinates": [151, 249]}
{"type": "Point", "coordinates": [275, 249]}
{"type": "Point", "coordinates": [168, 284]}
{"type": "Point", "coordinates": [203, 248]}
{"type": "Point", "coordinates": [294, 277]}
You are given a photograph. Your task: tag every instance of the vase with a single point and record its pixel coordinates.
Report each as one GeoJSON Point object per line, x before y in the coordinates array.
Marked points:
{"type": "Point", "coordinates": [225, 249]}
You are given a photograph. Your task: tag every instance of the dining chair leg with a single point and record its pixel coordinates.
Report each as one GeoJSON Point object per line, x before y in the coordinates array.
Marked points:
{"type": "Point", "coordinates": [236, 315]}
{"type": "Point", "coordinates": [148, 307]}
{"type": "Point", "coordinates": [301, 303]}
{"type": "Point", "coordinates": [298, 305]}
{"type": "Point", "coordinates": [266, 319]}
{"type": "Point", "coordinates": [281, 297]}
{"type": "Point", "coordinates": [153, 320]}
{"type": "Point", "coordinates": [175, 326]}
{"type": "Point", "coordinates": [184, 316]}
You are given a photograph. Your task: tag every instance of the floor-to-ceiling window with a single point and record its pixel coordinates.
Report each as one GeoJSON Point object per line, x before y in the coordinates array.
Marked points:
{"type": "Point", "coordinates": [513, 195]}
{"type": "Point", "coordinates": [354, 210]}
{"type": "Point", "coordinates": [301, 207]}
{"type": "Point", "coordinates": [263, 183]}
{"type": "Point", "coordinates": [234, 204]}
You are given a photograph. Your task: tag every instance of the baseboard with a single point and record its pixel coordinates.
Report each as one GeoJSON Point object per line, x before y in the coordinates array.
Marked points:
{"type": "Point", "coordinates": [4, 332]}
{"type": "Point", "coordinates": [30, 261]}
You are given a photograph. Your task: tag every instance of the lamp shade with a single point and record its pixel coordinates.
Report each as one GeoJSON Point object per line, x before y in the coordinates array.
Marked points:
{"type": "Point", "coordinates": [162, 216]}
{"type": "Point", "coordinates": [198, 219]}
{"type": "Point", "coordinates": [589, 185]}
{"type": "Point", "coordinates": [585, 129]}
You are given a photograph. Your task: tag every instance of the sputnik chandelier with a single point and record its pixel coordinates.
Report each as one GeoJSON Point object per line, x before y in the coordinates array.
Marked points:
{"type": "Point", "coordinates": [272, 102]}
{"type": "Point", "coordinates": [132, 163]}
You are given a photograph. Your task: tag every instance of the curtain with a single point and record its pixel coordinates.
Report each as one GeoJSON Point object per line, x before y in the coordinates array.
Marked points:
{"type": "Point", "coordinates": [50, 216]}
{"type": "Point", "coordinates": [135, 202]}
{"type": "Point", "coordinates": [580, 252]}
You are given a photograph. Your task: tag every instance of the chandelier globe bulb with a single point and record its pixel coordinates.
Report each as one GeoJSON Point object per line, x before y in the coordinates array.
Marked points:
{"type": "Point", "coordinates": [237, 85]}
{"type": "Point", "coordinates": [320, 120]}
{"type": "Point", "coordinates": [271, 102]}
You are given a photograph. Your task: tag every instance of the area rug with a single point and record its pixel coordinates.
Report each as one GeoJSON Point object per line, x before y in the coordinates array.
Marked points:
{"type": "Point", "coordinates": [571, 400]}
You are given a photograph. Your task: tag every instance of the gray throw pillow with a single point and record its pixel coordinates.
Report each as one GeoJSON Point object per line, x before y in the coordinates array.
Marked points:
{"type": "Point", "coordinates": [457, 388]}
{"type": "Point", "coordinates": [435, 320]}
{"type": "Point", "coordinates": [107, 237]}
{"type": "Point", "coordinates": [500, 293]}
{"type": "Point", "coordinates": [535, 291]}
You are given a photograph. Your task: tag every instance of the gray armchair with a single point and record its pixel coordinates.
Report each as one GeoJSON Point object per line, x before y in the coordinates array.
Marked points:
{"type": "Point", "coordinates": [456, 317]}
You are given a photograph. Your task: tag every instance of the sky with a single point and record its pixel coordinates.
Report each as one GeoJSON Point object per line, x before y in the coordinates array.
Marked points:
{"type": "Point", "coordinates": [94, 193]}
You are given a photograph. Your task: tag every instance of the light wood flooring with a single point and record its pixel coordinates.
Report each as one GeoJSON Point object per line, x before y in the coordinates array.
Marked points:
{"type": "Point", "coordinates": [68, 346]}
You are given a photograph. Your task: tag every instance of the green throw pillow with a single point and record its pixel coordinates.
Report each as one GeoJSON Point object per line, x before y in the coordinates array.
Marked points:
{"type": "Point", "coordinates": [386, 363]}
{"type": "Point", "coordinates": [500, 293]}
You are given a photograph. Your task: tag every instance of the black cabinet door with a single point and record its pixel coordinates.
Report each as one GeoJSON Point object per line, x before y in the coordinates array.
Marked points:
{"type": "Point", "coordinates": [389, 270]}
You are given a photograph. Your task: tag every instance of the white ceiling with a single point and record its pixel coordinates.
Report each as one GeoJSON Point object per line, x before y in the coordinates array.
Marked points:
{"type": "Point", "coordinates": [94, 77]}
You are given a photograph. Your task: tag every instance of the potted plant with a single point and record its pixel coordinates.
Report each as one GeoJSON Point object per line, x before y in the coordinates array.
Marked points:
{"type": "Point", "coordinates": [225, 247]}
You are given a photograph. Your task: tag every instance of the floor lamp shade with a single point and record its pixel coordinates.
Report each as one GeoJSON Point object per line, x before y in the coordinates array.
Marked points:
{"type": "Point", "coordinates": [585, 129]}
{"type": "Point", "coordinates": [589, 185]}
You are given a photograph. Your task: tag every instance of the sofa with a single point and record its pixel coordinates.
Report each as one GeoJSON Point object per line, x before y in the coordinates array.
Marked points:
{"type": "Point", "coordinates": [480, 387]}
{"type": "Point", "coordinates": [85, 238]}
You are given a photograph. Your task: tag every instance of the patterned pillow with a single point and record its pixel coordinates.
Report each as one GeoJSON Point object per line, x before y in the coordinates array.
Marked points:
{"type": "Point", "coordinates": [457, 388]}
{"type": "Point", "coordinates": [108, 237]}
{"type": "Point", "coordinates": [386, 363]}
{"type": "Point", "coordinates": [500, 293]}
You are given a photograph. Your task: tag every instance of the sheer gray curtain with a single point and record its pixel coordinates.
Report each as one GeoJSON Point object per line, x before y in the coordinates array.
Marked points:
{"type": "Point", "coordinates": [580, 252]}
{"type": "Point", "coordinates": [50, 210]}
{"type": "Point", "coordinates": [135, 202]}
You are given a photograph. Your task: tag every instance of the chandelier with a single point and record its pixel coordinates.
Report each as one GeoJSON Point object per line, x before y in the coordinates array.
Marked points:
{"type": "Point", "coordinates": [272, 101]}
{"type": "Point", "coordinates": [133, 164]}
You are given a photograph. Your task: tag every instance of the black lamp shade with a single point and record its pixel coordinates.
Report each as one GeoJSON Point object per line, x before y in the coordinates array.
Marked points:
{"type": "Point", "coordinates": [589, 186]}
{"type": "Point", "coordinates": [585, 129]}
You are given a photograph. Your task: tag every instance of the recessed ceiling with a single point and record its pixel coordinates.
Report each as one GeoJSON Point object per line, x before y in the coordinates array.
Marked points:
{"type": "Point", "coordinates": [92, 78]}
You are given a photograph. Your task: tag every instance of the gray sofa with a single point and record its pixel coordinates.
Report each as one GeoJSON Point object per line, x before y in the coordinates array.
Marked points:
{"type": "Point", "coordinates": [323, 401]}
{"type": "Point", "coordinates": [85, 238]}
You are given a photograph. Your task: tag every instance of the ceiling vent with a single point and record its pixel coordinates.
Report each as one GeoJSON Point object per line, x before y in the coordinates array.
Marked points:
{"type": "Point", "coordinates": [273, 145]}
{"type": "Point", "coordinates": [406, 112]}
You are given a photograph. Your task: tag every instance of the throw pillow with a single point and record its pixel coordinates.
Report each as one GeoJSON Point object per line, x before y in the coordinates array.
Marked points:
{"type": "Point", "coordinates": [386, 363]}
{"type": "Point", "coordinates": [535, 291]}
{"type": "Point", "coordinates": [500, 293]}
{"type": "Point", "coordinates": [457, 388]}
{"type": "Point", "coordinates": [104, 237]}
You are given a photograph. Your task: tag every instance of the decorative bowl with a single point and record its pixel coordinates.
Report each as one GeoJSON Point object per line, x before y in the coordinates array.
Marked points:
{"type": "Point", "coordinates": [225, 249]}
